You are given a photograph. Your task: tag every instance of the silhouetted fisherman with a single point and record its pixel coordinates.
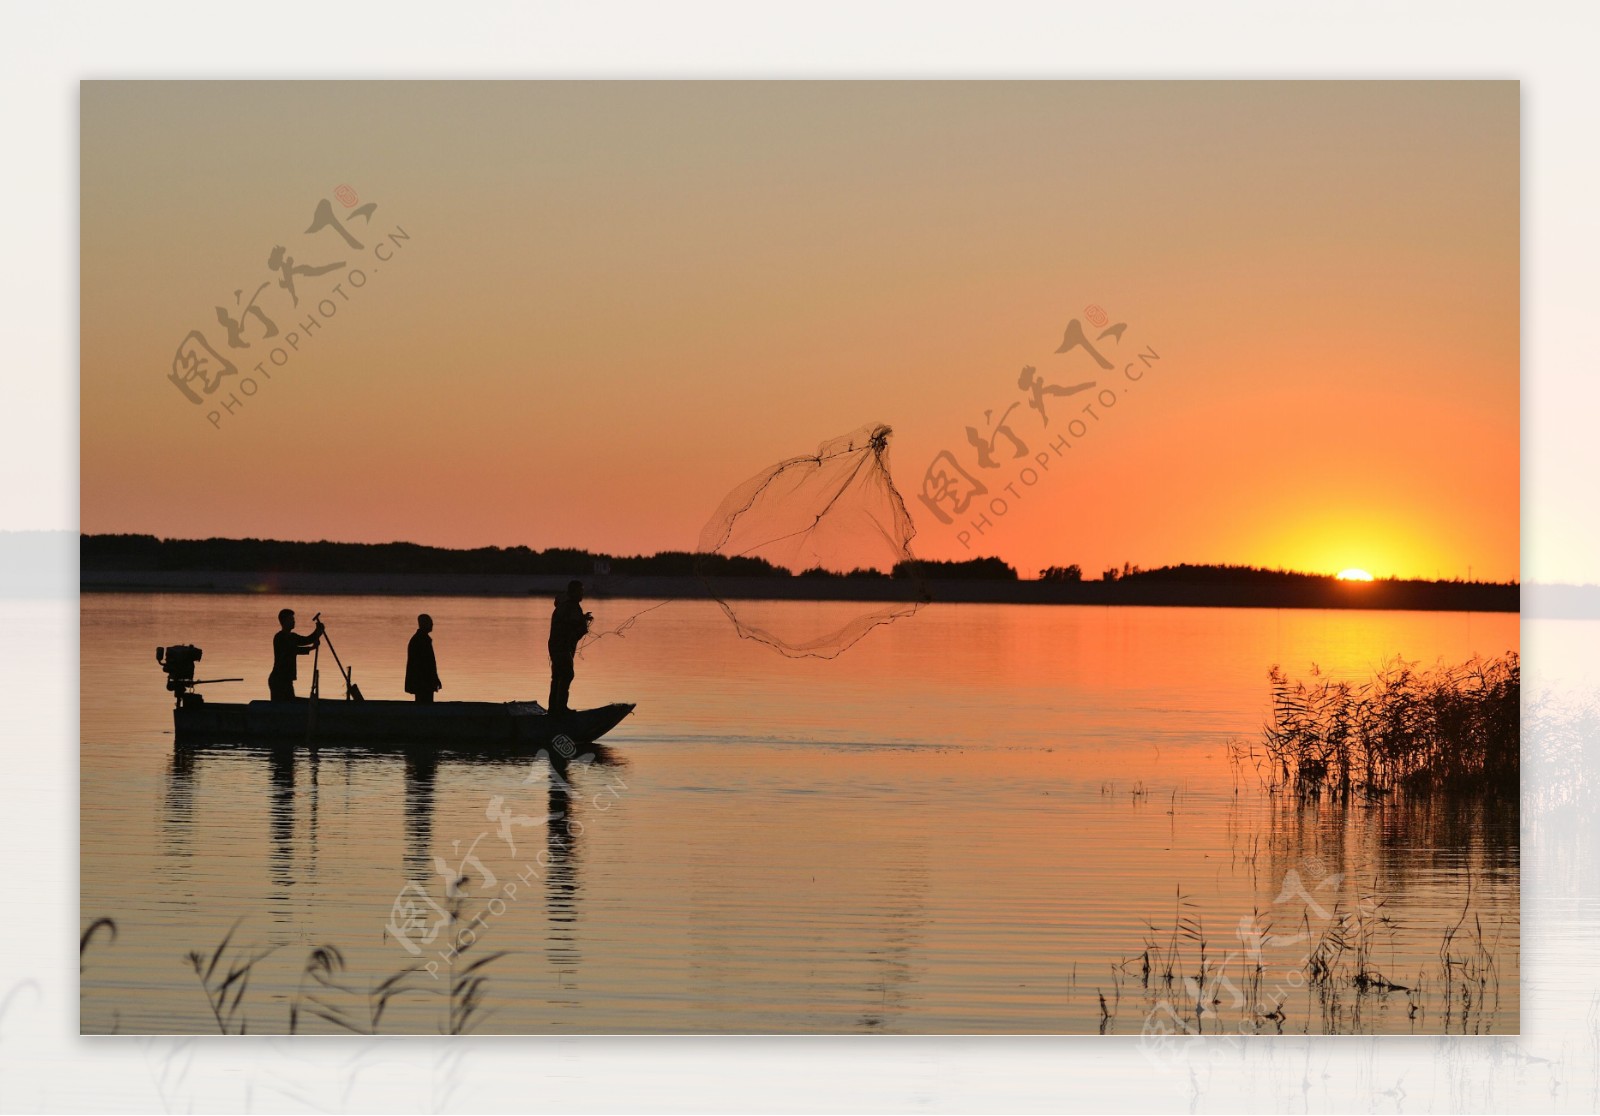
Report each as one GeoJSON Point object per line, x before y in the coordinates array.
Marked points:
{"type": "Point", "coordinates": [422, 670]}
{"type": "Point", "coordinates": [287, 647]}
{"type": "Point", "coordinates": [568, 624]}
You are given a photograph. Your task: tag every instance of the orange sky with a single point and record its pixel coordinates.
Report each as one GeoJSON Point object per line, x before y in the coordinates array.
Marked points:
{"type": "Point", "coordinates": [618, 300]}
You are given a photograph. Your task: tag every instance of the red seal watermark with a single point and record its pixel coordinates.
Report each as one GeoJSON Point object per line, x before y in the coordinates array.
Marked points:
{"type": "Point", "coordinates": [346, 195]}
{"type": "Point", "coordinates": [1096, 314]}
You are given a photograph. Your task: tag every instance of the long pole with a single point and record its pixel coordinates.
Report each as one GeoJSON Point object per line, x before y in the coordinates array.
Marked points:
{"type": "Point", "coordinates": [311, 706]}
{"type": "Point", "coordinates": [343, 673]}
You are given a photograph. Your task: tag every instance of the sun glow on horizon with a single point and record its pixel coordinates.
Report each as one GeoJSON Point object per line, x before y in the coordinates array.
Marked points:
{"type": "Point", "coordinates": [1353, 574]}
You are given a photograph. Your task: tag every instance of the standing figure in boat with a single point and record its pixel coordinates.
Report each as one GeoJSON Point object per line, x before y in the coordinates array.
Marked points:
{"type": "Point", "coordinates": [568, 624]}
{"type": "Point", "coordinates": [287, 647]}
{"type": "Point", "coordinates": [422, 670]}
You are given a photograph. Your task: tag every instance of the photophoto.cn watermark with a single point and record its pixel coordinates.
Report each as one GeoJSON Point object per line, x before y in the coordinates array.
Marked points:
{"type": "Point", "coordinates": [264, 332]}
{"type": "Point", "coordinates": [418, 921]}
{"type": "Point", "coordinates": [1257, 997]}
{"type": "Point", "coordinates": [1012, 457]}
{"type": "Point", "coordinates": [1326, 951]}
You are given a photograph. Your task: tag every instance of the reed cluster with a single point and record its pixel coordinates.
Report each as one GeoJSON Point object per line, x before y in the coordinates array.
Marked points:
{"type": "Point", "coordinates": [1453, 729]}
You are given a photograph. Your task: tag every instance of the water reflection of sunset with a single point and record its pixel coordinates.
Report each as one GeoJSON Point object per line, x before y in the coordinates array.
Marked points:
{"type": "Point", "coordinates": [934, 831]}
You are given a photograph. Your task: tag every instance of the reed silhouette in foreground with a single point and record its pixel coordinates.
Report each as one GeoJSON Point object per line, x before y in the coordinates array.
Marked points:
{"type": "Point", "coordinates": [1451, 729]}
{"type": "Point", "coordinates": [1326, 979]}
{"type": "Point", "coordinates": [324, 992]}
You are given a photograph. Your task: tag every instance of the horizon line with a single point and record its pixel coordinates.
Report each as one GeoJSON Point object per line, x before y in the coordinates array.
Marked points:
{"type": "Point", "coordinates": [1279, 569]}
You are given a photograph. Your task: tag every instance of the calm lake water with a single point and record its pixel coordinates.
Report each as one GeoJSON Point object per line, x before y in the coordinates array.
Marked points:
{"type": "Point", "coordinates": [978, 819]}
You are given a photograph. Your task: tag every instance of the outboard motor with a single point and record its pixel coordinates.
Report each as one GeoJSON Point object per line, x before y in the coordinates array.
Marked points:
{"type": "Point", "coordinates": [178, 661]}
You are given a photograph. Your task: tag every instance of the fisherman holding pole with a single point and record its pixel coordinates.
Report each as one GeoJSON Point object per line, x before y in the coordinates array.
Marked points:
{"type": "Point", "coordinates": [287, 647]}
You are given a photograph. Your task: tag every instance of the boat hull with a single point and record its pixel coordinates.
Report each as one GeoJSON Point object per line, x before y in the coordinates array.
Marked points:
{"type": "Point", "coordinates": [325, 723]}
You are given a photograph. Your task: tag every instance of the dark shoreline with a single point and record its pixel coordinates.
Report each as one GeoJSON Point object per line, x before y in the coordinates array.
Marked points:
{"type": "Point", "coordinates": [1424, 596]}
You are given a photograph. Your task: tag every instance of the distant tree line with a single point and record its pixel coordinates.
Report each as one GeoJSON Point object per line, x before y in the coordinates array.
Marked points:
{"type": "Point", "coordinates": [859, 571]}
{"type": "Point", "coordinates": [135, 553]}
{"type": "Point", "coordinates": [1218, 574]}
{"type": "Point", "coordinates": [972, 569]}
{"type": "Point", "coordinates": [146, 552]}
{"type": "Point", "coordinates": [1187, 574]}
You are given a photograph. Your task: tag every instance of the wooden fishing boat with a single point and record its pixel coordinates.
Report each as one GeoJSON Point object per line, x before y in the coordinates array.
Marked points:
{"type": "Point", "coordinates": [332, 723]}
{"type": "Point", "coordinates": [354, 721]}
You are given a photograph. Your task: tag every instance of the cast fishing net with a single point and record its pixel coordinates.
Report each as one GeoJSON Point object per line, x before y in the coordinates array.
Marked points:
{"type": "Point", "coordinates": [828, 529]}
{"type": "Point", "coordinates": [808, 555]}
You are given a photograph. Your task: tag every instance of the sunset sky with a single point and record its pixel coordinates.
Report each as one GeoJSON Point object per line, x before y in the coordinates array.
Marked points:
{"type": "Point", "coordinates": [609, 303]}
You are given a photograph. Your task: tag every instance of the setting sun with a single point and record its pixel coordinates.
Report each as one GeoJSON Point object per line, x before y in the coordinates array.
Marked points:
{"type": "Point", "coordinates": [1354, 574]}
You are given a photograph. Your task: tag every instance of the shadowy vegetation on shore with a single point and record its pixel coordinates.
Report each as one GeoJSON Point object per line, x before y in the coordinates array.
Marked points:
{"type": "Point", "coordinates": [144, 553]}
{"type": "Point", "coordinates": [1452, 729]}
{"type": "Point", "coordinates": [972, 569]}
{"type": "Point", "coordinates": [137, 553]}
{"type": "Point", "coordinates": [124, 563]}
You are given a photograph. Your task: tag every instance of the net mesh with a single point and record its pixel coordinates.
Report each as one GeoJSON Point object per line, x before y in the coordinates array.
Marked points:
{"type": "Point", "coordinates": [828, 525]}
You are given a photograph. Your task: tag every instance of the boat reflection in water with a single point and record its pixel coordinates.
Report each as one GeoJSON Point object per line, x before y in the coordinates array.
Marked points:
{"type": "Point", "coordinates": [432, 870]}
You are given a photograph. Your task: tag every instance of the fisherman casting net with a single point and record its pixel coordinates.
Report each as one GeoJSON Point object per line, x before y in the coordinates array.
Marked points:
{"type": "Point", "coordinates": [828, 529]}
